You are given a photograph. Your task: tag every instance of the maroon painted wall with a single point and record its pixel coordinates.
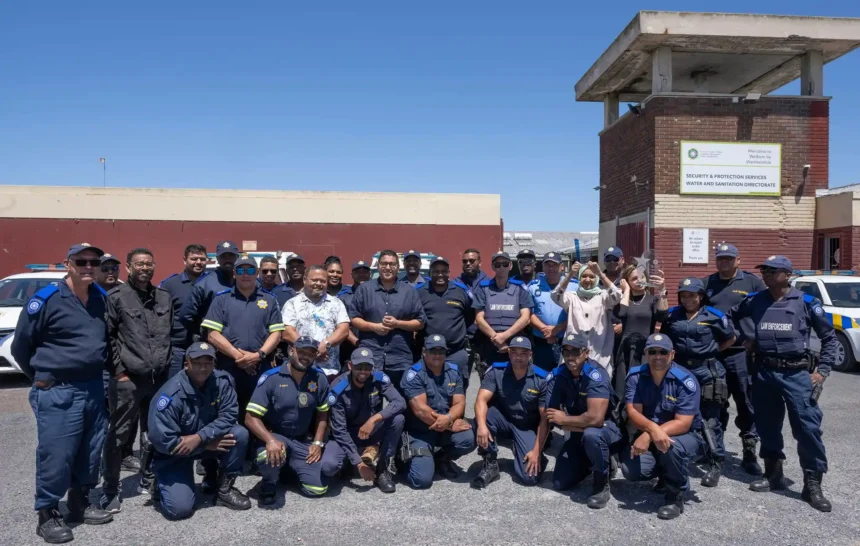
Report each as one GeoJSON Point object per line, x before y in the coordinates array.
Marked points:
{"type": "Point", "coordinates": [38, 240]}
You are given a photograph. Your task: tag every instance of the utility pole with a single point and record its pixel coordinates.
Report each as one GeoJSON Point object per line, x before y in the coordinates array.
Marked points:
{"type": "Point", "coordinates": [104, 171]}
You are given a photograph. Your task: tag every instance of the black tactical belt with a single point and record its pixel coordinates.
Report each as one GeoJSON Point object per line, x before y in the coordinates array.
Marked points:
{"type": "Point", "coordinates": [782, 363]}
{"type": "Point", "coordinates": [692, 363]}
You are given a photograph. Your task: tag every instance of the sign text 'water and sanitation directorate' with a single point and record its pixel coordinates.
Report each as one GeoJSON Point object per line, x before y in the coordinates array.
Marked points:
{"type": "Point", "coordinates": [730, 168]}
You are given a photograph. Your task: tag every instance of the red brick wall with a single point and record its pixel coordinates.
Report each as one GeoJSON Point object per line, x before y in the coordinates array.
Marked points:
{"type": "Point", "coordinates": [627, 150]}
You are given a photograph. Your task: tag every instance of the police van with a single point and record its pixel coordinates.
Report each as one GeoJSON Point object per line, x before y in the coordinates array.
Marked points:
{"type": "Point", "coordinates": [15, 292]}
{"type": "Point", "coordinates": [839, 291]}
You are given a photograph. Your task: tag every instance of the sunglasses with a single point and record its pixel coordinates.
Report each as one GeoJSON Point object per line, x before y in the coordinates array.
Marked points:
{"type": "Point", "coordinates": [269, 271]}
{"type": "Point", "coordinates": [527, 261]}
{"type": "Point", "coordinates": [438, 351]}
{"type": "Point", "coordinates": [110, 268]}
{"type": "Point", "coordinates": [497, 265]}
{"type": "Point", "coordinates": [250, 270]}
{"type": "Point", "coordinates": [81, 262]}
{"type": "Point", "coordinates": [653, 352]}
{"type": "Point", "coordinates": [472, 261]}
{"type": "Point", "coordinates": [610, 259]}
{"type": "Point", "coordinates": [769, 270]}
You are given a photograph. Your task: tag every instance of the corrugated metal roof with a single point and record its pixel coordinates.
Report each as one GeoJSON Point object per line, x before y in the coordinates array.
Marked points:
{"type": "Point", "coordinates": [542, 242]}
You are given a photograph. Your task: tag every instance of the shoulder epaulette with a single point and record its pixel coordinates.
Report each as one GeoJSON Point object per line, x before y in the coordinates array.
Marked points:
{"type": "Point", "coordinates": [340, 386]}
{"type": "Point", "coordinates": [101, 290]}
{"type": "Point", "coordinates": [417, 366]}
{"type": "Point", "coordinates": [592, 372]}
{"type": "Point", "coordinates": [266, 375]}
{"type": "Point", "coordinates": [345, 290]}
{"type": "Point", "coordinates": [673, 309]}
{"type": "Point", "coordinates": [500, 365]}
{"type": "Point", "coordinates": [540, 372]}
{"type": "Point", "coordinates": [453, 366]}
{"type": "Point", "coordinates": [225, 291]}
{"type": "Point", "coordinates": [751, 294]}
{"type": "Point", "coordinates": [41, 297]}
{"type": "Point", "coordinates": [809, 299]}
{"type": "Point", "coordinates": [318, 370]}
{"type": "Point", "coordinates": [381, 377]}
{"type": "Point", "coordinates": [485, 282]}
{"type": "Point", "coordinates": [515, 281]}
{"type": "Point", "coordinates": [679, 373]}
{"type": "Point", "coordinates": [715, 311]}
{"type": "Point", "coordinates": [637, 369]}
{"type": "Point", "coordinates": [458, 284]}
{"type": "Point", "coordinates": [167, 279]}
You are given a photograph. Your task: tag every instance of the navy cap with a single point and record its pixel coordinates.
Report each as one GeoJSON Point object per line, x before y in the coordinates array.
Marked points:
{"type": "Point", "coordinates": [691, 284]}
{"type": "Point", "coordinates": [80, 247]}
{"type": "Point", "coordinates": [777, 262]}
{"type": "Point", "coordinates": [245, 260]}
{"type": "Point", "coordinates": [661, 341]}
{"type": "Point", "coordinates": [295, 258]}
{"type": "Point", "coordinates": [575, 340]}
{"type": "Point", "coordinates": [552, 256]}
{"type": "Point", "coordinates": [435, 342]}
{"type": "Point", "coordinates": [200, 348]}
{"type": "Point", "coordinates": [227, 247]}
{"type": "Point", "coordinates": [520, 341]}
{"type": "Point", "coordinates": [439, 260]}
{"type": "Point", "coordinates": [306, 342]}
{"type": "Point", "coordinates": [361, 356]}
{"type": "Point", "coordinates": [526, 253]}
{"type": "Point", "coordinates": [109, 258]}
{"type": "Point", "coordinates": [614, 251]}
{"type": "Point", "coordinates": [504, 255]}
{"type": "Point", "coordinates": [414, 253]}
{"type": "Point", "coordinates": [727, 250]}
{"type": "Point", "coordinates": [360, 264]}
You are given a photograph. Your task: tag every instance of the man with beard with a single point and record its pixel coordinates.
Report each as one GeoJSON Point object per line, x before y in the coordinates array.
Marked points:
{"type": "Point", "coordinates": [179, 285]}
{"type": "Point", "coordinates": [360, 426]}
{"type": "Point", "coordinates": [526, 262]}
{"type": "Point", "coordinates": [412, 266]}
{"type": "Point", "coordinates": [471, 278]}
{"type": "Point", "coordinates": [108, 274]}
{"type": "Point", "coordinates": [289, 407]}
{"type": "Point", "coordinates": [269, 273]}
{"type": "Point", "coordinates": [196, 306]}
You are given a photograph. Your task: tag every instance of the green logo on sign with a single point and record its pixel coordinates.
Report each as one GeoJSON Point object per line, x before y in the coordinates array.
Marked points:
{"type": "Point", "coordinates": [693, 153]}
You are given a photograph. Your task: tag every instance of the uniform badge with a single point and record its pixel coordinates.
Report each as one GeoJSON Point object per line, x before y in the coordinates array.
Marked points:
{"type": "Point", "coordinates": [595, 375]}
{"type": "Point", "coordinates": [361, 262]}
{"type": "Point", "coordinates": [163, 402]}
{"type": "Point", "coordinates": [226, 245]}
{"type": "Point", "coordinates": [687, 282]}
{"type": "Point", "coordinates": [386, 379]}
{"type": "Point", "coordinates": [303, 400]}
{"type": "Point", "coordinates": [519, 340]}
{"type": "Point", "coordinates": [34, 306]}
{"type": "Point", "coordinates": [549, 376]}
{"type": "Point", "coordinates": [332, 400]}
{"type": "Point", "coordinates": [610, 249]}
{"type": "Point", "coordinates": [364, 352]}
{"type": "Point", "coordinates": [262, 379]}
{"type": "Point", "coordinates": [570, 337]}
{"type": "Point", "coordinates": [204, 346]}
{"type": "Point", "coordinates": [725, 321]}
{"type": "Point", "coordinates": [262, 304]}
{"type": "Point", "coordinates": [818, 310]}
{"type": "Point", "coordinates": [85, 244]}
{"type": "Point", "coordinates": [771, 258]}
{"type": "Point", "coordinates": [537, 293]}
{"type": "Point", "coordinates": [709, 293]}
{"type": "Point", "coordinates": [410, 375]}
{"type": "Point", "coordinates": [724, 247]}
{"type": "Point", "coordinates": [690, 384]}
{"type": "Point", "coordinates": [312, 386]}
{"type": "Point", "coordinates": [658, 337]}
{"type": "Point", "coordinates": [437, 338]}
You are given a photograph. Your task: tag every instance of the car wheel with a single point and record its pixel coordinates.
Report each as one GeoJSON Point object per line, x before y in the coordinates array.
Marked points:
{"type": "Point", "coordinates": [845, 361]}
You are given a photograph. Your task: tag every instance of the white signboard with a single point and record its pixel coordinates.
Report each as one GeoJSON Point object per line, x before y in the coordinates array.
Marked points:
{"type": "Point", "coordinates": [695, 246]}
{"type": "Point", "coordinates": [730, 168]}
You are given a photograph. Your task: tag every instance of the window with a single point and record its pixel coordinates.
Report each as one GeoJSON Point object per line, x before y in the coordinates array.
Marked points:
{"type": "Point", "coordinates": [16, 292]}
{"type": "Point", "coordinates": [830, 253]}
{"type": "Point", "coordinates": [809, 288]}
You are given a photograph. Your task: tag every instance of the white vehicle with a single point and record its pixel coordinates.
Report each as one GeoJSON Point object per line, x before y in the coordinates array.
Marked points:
{"type": "Point", "coordinates": [839, 291]}
{"type": "Point", "coordinates": [15, 291]}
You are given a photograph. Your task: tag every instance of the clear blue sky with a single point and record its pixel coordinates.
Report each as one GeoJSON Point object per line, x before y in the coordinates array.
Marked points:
{"type": "Point", "coordinates": [373, 96]}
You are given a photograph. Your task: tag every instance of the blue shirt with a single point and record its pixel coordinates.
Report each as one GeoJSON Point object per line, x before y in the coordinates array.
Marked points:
{"type": "Point", "coordinates": [440, 390]}
{"type": "Point", "coordinates": [446, 314]}
{"type": "Point", "coordinates": [196, 305]}
{"type": "Point", "coordinates": [372, 302]}
{"type": "Point", "coordinates": [181, 409]}
{"type": "Point", "coordinates": [571, 393]}
{"type": "Point", "coordinates": [179, 286]}
{"type": "Point", "coordinates": [678, 393]}
{"type": "Point", "coordinates": [61, 339]}
{"type": "Point", "coordinates": [288, 408]}
{"type": "Point", "coordinates": [419, 282]}
{"type": "Point", "coordinates": [782, 328]}
{"type": "Point", "coordinates": [471, 283]}
{"type": "Point", "coordinates": [351, 407]}
{"type": "Point", "coordinates": [284, 293]}
{"type": "Point", "coordinates": [698, 338]}
{"type": "Point", "coordinates": [501, 306]}
{"type": "Point", "coordinates": [549, 312]}
{"type": "Point", "coordinates": [519, 400]}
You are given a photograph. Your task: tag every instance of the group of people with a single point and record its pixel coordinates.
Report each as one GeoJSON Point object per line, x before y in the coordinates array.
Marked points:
{"type": "Point", "coordinates": [311, 379]}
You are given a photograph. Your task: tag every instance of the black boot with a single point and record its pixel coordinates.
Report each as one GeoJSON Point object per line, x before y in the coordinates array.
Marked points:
{"type": "Point", "coordinates": [267, 493]}
{"type": "Point", "coordinates": [384, 479]}
{"type": "Point", "coordinates": [773, 478]}
{"type": "Point", "coordinates": [229, 496]}
{"type": "Point", "coordinates": [209, 485]}
{"type": "Point", "coordinates": [660, 486]}
{"type": "Point", "coordinates": [81, 511]}
{"type": "Point", "coordinates": [674, 506]}
{"type": "Point", "coordinates": [489, 472]}
{"type": "Point", "coordinates": [599, 491]}
{"type": "Point", "coordinates": [52, 528]}
{"type": "Point", "coordinates": [445, 466]}
{"type": "Point", "coordinates": [712, 476]}
{"type": "Point", "coordinates": [812, 491]}
{"type": "Point", "coordinates": [750, 462]}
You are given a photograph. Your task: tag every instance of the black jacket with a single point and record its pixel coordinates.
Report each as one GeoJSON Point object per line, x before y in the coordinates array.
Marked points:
{"type": "Point", "coordinates": [139, 329]}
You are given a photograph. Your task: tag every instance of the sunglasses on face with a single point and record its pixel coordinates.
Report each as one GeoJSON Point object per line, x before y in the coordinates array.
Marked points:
{"type": "Point", "coordinates": [609, 259]}
{"type": "Point", "coordinates": [497, 265]}
{"type": "Point", "coordinates": [769, 270]}
{"type": "Point", "coordinates": [437, 352]}
{"type": "Point", "coordinates": [661, 352]}
{"type": "Point", "coordinates": [81, 262]}
{"type": "Point", "coordinates": [527, 261]}
{"type": "Point", "coordinates": [472, 261]}
{"type": "Point", "coordinates": [110, 268]}
{"type": "Point", "coordinates": [269, 271]}
{"type": "Point", "coordinates": [250, 270]}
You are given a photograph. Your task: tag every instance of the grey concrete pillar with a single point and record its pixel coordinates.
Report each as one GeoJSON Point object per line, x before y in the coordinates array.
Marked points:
{"type": "Point", "coordinates": [610, 109]}
{"type": "Point", "coordinates": [661, 70]}
{"type": "Point", "coordinates": [812, 74]}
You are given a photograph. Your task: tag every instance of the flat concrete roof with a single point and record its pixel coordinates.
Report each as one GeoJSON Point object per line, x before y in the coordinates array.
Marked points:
{"type": "Point", "coordinates": [738, 53]}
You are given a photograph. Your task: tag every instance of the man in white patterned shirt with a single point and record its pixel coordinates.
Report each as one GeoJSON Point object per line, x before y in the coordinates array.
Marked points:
{"type": "Point", "coordinates": [320, 316]}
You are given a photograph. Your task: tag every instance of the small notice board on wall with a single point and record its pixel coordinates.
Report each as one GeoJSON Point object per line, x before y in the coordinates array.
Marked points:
{"type": "Point", "coordinates": [695, 246]}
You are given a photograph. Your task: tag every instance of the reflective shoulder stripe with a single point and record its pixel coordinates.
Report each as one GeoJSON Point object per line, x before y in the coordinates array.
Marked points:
{"type": "Point", "coordinates": [277, 327]}
{"type": "Point", "coordinates": [167, 279]}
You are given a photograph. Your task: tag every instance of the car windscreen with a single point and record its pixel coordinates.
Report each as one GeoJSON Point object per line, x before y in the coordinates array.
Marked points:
{"type": "Point", "coordinates": [844, 294]}
{"type": "Point", "coordinates": [16, 292]}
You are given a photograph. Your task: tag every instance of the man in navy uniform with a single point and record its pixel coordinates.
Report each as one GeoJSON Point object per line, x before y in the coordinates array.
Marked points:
{"type": "Point", "coordinates": [511, 404]}
{"type": "Point", "coordinates": [527, 263]}
{"type": "Point", "coordinates": [193, 417]}
{"type": "Point", "coordinates": [471, 278]}
{"type": "Point", "coordinates": [359, 422]}
{"type": "Point", "coordinates": [196, 305]}
{"type": "Point", "coordinates": [61, 344]}
{"type": "Point", "coordinates": [412, 268]}
{"type": "Point", "coordinates": [723, 290]}
{"type": "Point", "coordinates": [783, 318]}
{"type": "Point", "coordinates": [662, 401]}
{"type": "Point", "coordinates": [179, 285]}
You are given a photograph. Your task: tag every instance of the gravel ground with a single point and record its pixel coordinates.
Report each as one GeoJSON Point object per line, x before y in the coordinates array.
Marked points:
{"type": "Point", "coordinates": [451, 512]}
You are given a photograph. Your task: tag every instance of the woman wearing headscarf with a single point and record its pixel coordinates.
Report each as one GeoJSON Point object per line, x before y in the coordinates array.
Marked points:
{"type": "Point", "coordinates": [589, 309]}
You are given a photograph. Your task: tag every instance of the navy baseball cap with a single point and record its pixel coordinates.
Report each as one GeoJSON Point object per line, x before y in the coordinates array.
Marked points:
{"type": "Point", "coordinates": [575, 340]}
{"type": "Point", "coordinates": [109, 258]}
{"type": "Point", "coordinates": [552, 256]}
{"type": "Point", "coordinates": [360, 264]}
{"type": "Point", "coordinates": [504, 255]}
{"type": "Point", "coordinates": [435, 342]}
{"type": "Point", "coordinates": [777, 262]}
{"type": "Point", "coordinates": [295, 258]}
{"type": "Point", "coordinates": [306, 342]}
{"type": "Point", "coordinates": [725, 250]}
{"type": "Point", "coordinates": [227, 247]}
{"type": "Point", "coordinates": [691, 284]}
{"type": "Point", "coordinates": [520, 341]}
{"type": "Point", "coordinates": [439, 260]}
{"type": "Point", "coordinates": [80, 247]}
{"type": "Point", "coordinates": [660, 341]}
{"type": "Point", "coordinates": [200, 348]}
{"type": "Point", "coordinates": [245, 260]}
{"type": "Point", "coordinates": [361, 356]}
{"type": "Point", "coordinates": [412, 253]}
{"type": "Point", "coordinates": [526, 253]}
{"type": "Point", "coordinates": [613, 251]}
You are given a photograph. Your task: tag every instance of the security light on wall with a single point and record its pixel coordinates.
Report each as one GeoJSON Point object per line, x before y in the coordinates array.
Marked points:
{"type": "Point", "coordinates": [600, 187]}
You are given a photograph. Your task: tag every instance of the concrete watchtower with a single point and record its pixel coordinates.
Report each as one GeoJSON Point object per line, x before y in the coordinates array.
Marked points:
{"type": "Point", "coordinates": [706, 154]}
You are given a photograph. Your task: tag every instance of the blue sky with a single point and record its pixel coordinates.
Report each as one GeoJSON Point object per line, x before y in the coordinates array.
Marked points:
{"type": "Point", "coordinates": [370, 96]}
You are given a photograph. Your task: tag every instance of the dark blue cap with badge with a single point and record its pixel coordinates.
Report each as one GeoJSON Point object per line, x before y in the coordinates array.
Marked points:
{"type": "Point", "coordinates": [614, 251]}
{"type": "Point", "coordinates": [552, 256]}
{"type": "Point", "coordinates": [504, 255]}
{"type": "Point", "coordinates": [360, 264]}
{"type": "Point", "coordinates": [109, 258]}
{"type": "Point", "coordinates": [296, 258]}
{"type": "Point", "coordinates": [725, 250]}
{"type": "Point", "coordinates": [306, 342]}
{"type": "Point", "coordinates": [777, 262]}
{"type": "Point", "coordinates": [575, 340]}
{"type": "Point", "coordinates": [659, 341]}
{"type": "Point", "coordinates": [439, 260]}
{"type": "Point", "coordinates": [412, 253]}
{"type": "Point", "coordinates": [691, 284]}
{"type": "Point", "coordinates": [199, 349]}
{"type": "Point", "coordinates": [361, 356]}
{"type": "Point", "coordinates": [435, 342]}
{"type": "Point", "coordinates": [526, 254]}
{"type": "Point", "coordinates": [520, 341]}
{"type": "Point", "coordinates": [227, 247]}
{"type": "Point", "coordinates": [80, 247]}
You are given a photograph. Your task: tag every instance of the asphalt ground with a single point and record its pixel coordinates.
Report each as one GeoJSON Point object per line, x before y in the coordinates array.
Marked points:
{"type": "Point", "coordinates": [453, 513]}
